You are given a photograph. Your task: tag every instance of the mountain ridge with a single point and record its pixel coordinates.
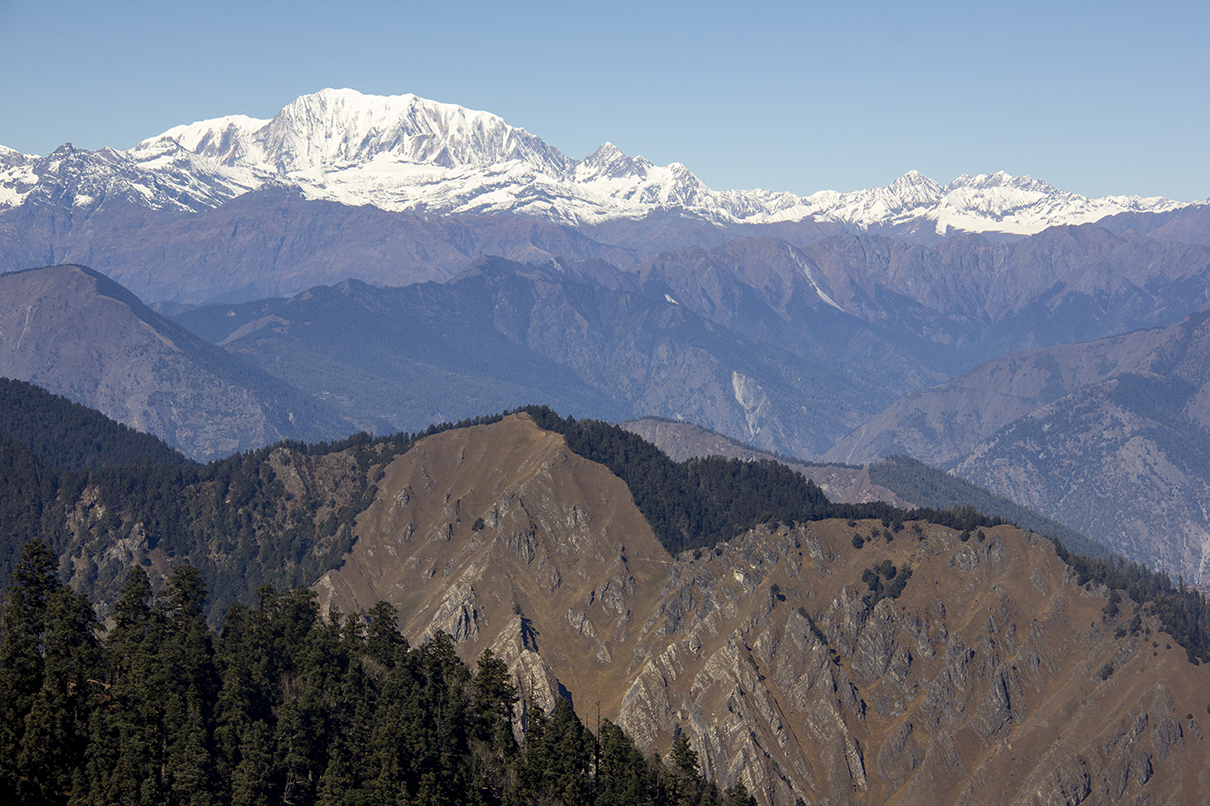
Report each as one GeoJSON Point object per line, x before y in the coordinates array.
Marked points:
{"type": "Point", "coordinates": [407, 153]}
{"type": "Point", "coordinates": [762, 649]}
{"type": "Point", "coordinates": [848, 661]}
{"type": "Point", "coordinates": [77, 333]}
{"type": "Point", "coordinates": [1109, 437]}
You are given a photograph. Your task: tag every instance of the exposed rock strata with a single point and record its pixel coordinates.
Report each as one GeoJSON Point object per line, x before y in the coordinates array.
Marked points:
{"type": "Point", "coordinates": [985, 682]}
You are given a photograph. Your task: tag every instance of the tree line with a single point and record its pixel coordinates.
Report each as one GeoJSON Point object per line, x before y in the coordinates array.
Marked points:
{"type": "Point", "coordinates": [233, 509]}
{"type": "Point", "coordinates": [234, 522]}
{"type": "Point", "coordinates": [1182, 611]}
{"type": "Point", "coordinates": [699, 502]}
{"type": "Point", "coordinates": [70, 436]}
{"type": "Point", "coordinates": [283, 706]}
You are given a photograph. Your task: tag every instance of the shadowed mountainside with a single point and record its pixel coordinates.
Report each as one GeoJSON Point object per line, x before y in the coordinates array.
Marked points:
{"type": "Point", "coordinates": [1109, 438]}
{"type": "Point", "coordinates": [76, 333]}
{"type": "Point", "coordinates": [504, 334]}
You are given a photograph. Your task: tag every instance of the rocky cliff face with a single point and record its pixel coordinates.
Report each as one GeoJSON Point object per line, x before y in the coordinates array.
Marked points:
{"type": "Point", "coordinates": [992, 678]}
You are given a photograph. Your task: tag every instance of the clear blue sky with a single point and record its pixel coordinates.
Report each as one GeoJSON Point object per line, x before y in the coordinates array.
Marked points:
{"type": "Point", "coordinates": [1095, 97]}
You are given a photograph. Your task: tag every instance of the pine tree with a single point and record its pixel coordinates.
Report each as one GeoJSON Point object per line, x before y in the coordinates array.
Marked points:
{"type": "Point", "coordinates": [29, 597]}
{"type": "Point", "coordinates": [558, 756]}
{"type": "Point", "coordinates": [383, 640]}
{"type": "Point", "coordinates": [126, 741]}
{"type": "Point", "coordinates": [252, 779]}
{"type": "Point", "coordinates": [494, 696]}
{"type": "Point", "coordinates": [622, 777]}
{"type": "Point", "coordinates": [494, 747]}
{"type": "Point", "coordinates": [684, 756]}
{"type": "Point", "coordinates": [188, 683]}
{"type": "Point", "coordinates": [56, 728]}
{"type": "Point", "coordinates": [737, 795]}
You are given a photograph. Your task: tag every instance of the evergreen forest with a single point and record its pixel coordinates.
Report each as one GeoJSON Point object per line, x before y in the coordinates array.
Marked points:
{"type": "Point", "coordinates": [283, 706]}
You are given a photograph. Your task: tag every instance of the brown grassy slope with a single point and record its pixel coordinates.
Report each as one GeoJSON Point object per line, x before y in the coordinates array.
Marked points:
{"type": "Point", "coordinates": [985, 682]}
{"type": "Point", "coordinates": [558, 532]}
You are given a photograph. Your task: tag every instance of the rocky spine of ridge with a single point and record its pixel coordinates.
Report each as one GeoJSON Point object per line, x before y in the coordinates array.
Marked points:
{"type": "Point", "coordinates": [979, 683]}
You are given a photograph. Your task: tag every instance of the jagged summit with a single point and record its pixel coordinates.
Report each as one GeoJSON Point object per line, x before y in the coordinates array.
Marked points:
{"type": "Point", "coordinates": [915, 187]}
{"type": "Point", "coordinates": [343, 127]}
{"type": "Point", "coordinates": [406, 153]}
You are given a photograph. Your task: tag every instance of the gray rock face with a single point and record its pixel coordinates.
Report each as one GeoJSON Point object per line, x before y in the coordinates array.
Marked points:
{"type": "Point", "coordinates": [839, 703]}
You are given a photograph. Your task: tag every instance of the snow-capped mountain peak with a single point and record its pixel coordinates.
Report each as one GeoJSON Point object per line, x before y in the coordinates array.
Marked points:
{"type": "Point", "coordinates": [341, 128]}
{"type": "Point", "coordinates": [405, 153]}
{"type": "Point", "coordinates": [609, 162]}
{"type": "Point", "coordinates": [914, 189]}
{"type": "Point", "coordinates": [998, 180]}
{"type": "Point", "coordinates": [222, 140]}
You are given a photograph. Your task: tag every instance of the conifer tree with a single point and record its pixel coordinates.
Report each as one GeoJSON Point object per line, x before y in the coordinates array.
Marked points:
{"type": "Point", "coordinates": [622, 777]}
{"type": "Point", "coordinates": [684, 756]}
{"type": "Point", "coordinates": [56, 728]}
{"type": "Point", "coordinates": [21, 663]}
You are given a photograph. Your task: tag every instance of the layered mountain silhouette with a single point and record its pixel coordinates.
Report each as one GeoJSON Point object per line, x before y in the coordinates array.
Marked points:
{"type": "Point", "coordinates": [392, 265]}
{"type": "Point", "coordinates": [1109, 436]}
{"type": "Point", "coordinates": [787, 348]}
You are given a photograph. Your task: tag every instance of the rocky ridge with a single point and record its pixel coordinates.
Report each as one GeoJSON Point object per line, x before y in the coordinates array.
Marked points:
{"type": "Point", "coordinates": [979, 683]}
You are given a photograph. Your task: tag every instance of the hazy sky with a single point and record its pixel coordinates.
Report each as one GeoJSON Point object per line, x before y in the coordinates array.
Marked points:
{"type": "Point", "coordinates": [1098, 98]}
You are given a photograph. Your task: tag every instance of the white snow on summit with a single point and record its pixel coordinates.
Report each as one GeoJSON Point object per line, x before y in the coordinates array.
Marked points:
{"type": "Point", "coordinates": [995, 202]}
{"type": "Point", "coordinates": [405, 153]}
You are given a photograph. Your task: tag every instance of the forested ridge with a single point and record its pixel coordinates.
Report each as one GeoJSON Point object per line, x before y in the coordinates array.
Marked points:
{"type": "Point", "coordinates": [282, 706]}
{"type": "Point", "coordinates": [69, 436]}
{"type": "Point", "coordinates": [238, 524]}
{"type": "Point", "coordinates": [233, 519]}
{"type": "Point", "coordinates": [698, 502]}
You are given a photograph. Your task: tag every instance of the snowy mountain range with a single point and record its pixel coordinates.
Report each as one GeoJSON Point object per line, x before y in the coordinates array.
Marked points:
{"type": "Point", "coordinates": [407, 154]}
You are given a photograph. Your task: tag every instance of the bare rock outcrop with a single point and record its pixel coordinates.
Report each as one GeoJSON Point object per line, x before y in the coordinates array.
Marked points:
{"type": "Point", "coordinates": [983, 681]}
